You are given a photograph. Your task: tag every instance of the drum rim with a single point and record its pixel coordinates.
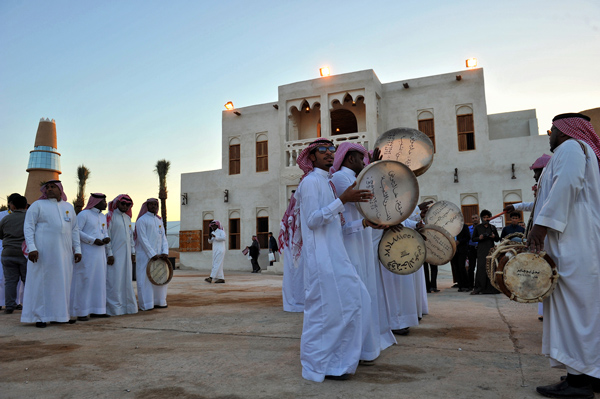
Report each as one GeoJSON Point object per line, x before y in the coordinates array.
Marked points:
{"type": "Point", "coordinates": [446, 235]}
{"type": "Point", "coordinates": [169, 265]}
{"type": "Point", "coordinates": [499, 278]}
{"type": "Point", "coordinates": [375, 164]}
{"type": "Point", "coordinates": [422, 169]}
{"type": "Point", "coordinates": [446, 202]}
{"type": "Point", "coordinates": [417, 235]}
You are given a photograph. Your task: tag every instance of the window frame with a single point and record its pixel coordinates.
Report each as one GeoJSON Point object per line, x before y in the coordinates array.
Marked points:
{"type": "Point", "coordinates": [235, 166]}
{"type": "Point", "coordinates": [263, 236]}
{"type": "Point", "coordinates": [206, 246]}
{"type": "Point", "coordinates": [432, 136]}
{"type": "Point", "coordinates": [463, 144]}
{"type": "Point", "coordinates": [235, 238]}
{"type": "Point", "coordinates": [262, 159]}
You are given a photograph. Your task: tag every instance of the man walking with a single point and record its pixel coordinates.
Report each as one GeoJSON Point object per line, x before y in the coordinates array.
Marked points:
{"type": "Point", "coordinates": [217, 239]}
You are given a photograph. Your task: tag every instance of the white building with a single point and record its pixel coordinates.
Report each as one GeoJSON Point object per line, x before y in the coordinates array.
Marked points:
{"type": "Point", "coordinates": [481, 161]}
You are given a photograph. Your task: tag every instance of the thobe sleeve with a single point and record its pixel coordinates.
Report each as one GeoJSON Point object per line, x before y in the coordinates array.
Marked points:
{"type": "Point", "coordinates": [566, 180]}
{"type": "Point", "coordinates": [131, 240]}
{"type": "Point", "coordinates": [165, 243]}
{"type": "Point", "coordinates": [410, 223]}
{"type": "Point", "coordinates": [31, 219]}
{"type": "Point", "coordinates": [81, 221]}
{"type": "Point", "coordinates": [309, 205]}
{"type": "Point", "coordinates": [352, 227]}
{"type": "Point", "coordinates": [416, 215]}
{"type": "Point", "coordinates": [142, 236]}
{"type": "Point", "coordinates": [524, 206]}
{"type": "Point", "coordinates": [75, 234]}
{"type": "Point", "coordinates": [219, 235]}
{"type": "Point", "coordinates": [341, 183]}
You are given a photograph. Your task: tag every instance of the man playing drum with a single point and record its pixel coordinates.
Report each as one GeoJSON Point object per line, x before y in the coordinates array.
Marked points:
{"type": "Point", "coordinates": [337, 305]}
{"type": "Point", "coordinates": [567, 227]}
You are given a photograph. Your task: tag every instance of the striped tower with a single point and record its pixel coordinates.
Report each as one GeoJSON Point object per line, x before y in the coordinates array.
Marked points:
{"type": "Point", "coordinates": [44, 160]}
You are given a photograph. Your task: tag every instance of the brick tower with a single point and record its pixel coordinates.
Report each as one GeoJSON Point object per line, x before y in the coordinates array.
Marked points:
{"type": "Point", "coordinates": [44, 160]}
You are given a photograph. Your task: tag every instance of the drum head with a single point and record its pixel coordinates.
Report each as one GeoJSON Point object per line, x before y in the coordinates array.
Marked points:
{"type": "Point", "coordinates": [447, 215]}
{"type": "Point", "coordinates": [439, 244]}
{"type": "Point", "coordinates": [409, 146]}
{"type": "Point", "coordinates": [527, 276]}
{"type": "Point", "coordinates": [395, 192]}
{"type": "Point", "coordinates": [401, 250]}
{"type": "Point", "coordinates": [159, 271]}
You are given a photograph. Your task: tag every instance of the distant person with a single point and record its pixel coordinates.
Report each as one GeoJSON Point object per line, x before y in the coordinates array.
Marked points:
{"type": "Point", "coordinates": [254, 252]}
{"type": "Point", "coordinates": [513, 227]}
{"type": "Point", "coordinates": [52, 237]}
{"type": "Point", "coordinates": [217, 239]}
{"type": "Point", "coordinates": [292, 286]}
{"type": "Point", "coordinates": [273, 248]}
{"type": "Point", "coordinates": [150, 244]}
{"type": "Point", "coordinates": [486, 235]}
{"type": "Point", "coordinates": [460, 259]}
{"type": "Point", "coordinates": [472, 254]}
{"type": "Point", "coordinates": [14, 264]}
{"type": "Point", "coordinates": [2, 215]}
{"type": "Point", "coordinates": [120, 296]}
{"type": "Point", "coordinates": [431, 273]}
{"type": "Point", "coordinates": [88, 287]}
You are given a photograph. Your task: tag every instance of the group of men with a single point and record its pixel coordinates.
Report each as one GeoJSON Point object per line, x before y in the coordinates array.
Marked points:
{"type": "Point", "coordinates": [330, 273]}
{"type": "Point", "coordinates": [79, 266]}
{"type": "Point", "coordinates": [352, 305]}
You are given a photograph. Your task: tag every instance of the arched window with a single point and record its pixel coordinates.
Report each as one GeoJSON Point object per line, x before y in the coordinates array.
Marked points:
{"type": "Point", "coordinates": [465, 128]}
{"type": "Point", "coordinates": [262, 153]}
{"type": "Point", "coordinates": [234, 156]}
{"type": "Point", "coordinates": [469, 204]}
{"type": "Point", "coordinates": [343, 121]}
{"type": "Point", "coordinates": [208, 217]}
{"type": "Point", "coordinates": [234, 230]}
{"type": "Point", "coordinates": [510, 198]}
{"type": "Point", "coordinates": [262, 227]}
{"type": "Point", "coordinates": [426, 125]}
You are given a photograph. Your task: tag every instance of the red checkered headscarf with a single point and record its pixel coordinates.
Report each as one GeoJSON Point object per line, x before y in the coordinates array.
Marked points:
{"type": "Point", "coordinates": [541, 162]}
{"type": "Point", "coordinates": [290, 221]}
{"type": "Point", "coordinates": [113, 205]}
{"type": "Point", "coordinates": [306, 164]}
{"type": "Point", "coordinates": [341, 152]}
{"type": "Point", "coordinates": [216, 223]}
{"type": "Point", "coordinates": [578, 126]}
{"type": "Point", "coordinates": [95, 199]}
{"type": "Point", "coordinates": [60, 187]}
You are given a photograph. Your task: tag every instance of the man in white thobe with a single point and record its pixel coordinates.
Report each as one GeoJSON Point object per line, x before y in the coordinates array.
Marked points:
{"type": "Point", "coordinates": [567, 226]}
{"type": "Point", "coordinates": [52, 237]}
{"type": "Point", "coordinates": [292, 287]}
{"type": "Point", "coordinates": [120, 296]}
{"type": "Point", "coordinates": [88, 287]}
{"type": "Point", "coordinates": [150, 243]}
{"type": "Point", "coordinates": [358, 243]}
{"type": "Point", "coordinates": [337, 304]}
{"type": "Point", "coordinates": [2, 299]}
{"type": "Point", "coordinates": [218, 239]}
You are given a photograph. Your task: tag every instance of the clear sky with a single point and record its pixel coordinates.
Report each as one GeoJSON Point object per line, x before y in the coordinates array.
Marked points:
{"type": "Point", "coordinates": [131, 82]}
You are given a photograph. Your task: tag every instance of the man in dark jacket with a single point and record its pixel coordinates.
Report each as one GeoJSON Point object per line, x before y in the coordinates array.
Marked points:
{"type": "Point", "coordinates": [254, 252]}
{"type": "Point", "coordinates": [486, 235]}
{"type": "Point", "coordinates": [459, 261]}
{"type": "Point", "coordinates": [273, 248]}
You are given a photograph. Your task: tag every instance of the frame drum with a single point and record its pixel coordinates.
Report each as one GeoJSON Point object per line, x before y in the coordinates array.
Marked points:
{"type": "Point", "coordinates": [447, 215]}
{"type": "Point", "coordinates": [409, 146]}
{"type": "Point", "coordinates": [440, 245]}
{"type": "Point", "coordinates": [159, 271]}
{"type": "Point", "coordinates": [521, 275]}
{"type": "Point", "coordinates": [401, 250]}
{"type": "Point", "coordinates": [395, 192]}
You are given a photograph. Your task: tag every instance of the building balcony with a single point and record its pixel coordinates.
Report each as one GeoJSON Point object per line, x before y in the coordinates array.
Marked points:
{"type": "Point", "coordinates": [294, 148]}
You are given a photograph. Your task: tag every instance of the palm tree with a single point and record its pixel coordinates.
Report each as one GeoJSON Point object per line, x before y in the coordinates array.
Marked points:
{"type": "Point", "coordinates": [83, 174]}
{"type": "Point", "coordinates": [162, 169]}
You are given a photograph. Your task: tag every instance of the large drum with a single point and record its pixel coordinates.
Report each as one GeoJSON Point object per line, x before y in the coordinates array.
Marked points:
{"type": "Point", "coordinates": [159, 271]}
{"type": "Point", "coordinates": [401, 250]}
{"type": "Point", "coordinates": [439, 244]}
{"type": "Point", "coordinates": [409, 146]}
{"type": "Point", "coordinates": [447, 215]}
{"type": "Point", "coordinates": [395, 192]}
{"type": "Point", "coordinates": [519, 274]}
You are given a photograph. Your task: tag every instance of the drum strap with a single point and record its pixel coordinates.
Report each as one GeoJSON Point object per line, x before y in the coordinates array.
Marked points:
{"type": "Point", "coordinates": [530, 221]}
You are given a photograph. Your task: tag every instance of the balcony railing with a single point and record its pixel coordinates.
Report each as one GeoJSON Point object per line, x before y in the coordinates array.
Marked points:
{"type": "Point", "coordinates": [293, 148]}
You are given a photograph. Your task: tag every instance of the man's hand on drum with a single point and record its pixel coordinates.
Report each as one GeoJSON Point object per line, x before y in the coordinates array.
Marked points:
{"type": "Point", "coordinates": [352, 195]}
{"type": "Point", "coordinates": [376, 156]}
{"type": "Point", "coordinates": [509, 208]}
{"type": "Point", "coordinates": [373, 225]}
{"type": "Point", "coordinates": [535, 240]}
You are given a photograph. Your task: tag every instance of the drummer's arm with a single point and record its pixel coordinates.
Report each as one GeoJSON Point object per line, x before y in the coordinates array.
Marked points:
{"type": "Point", "coordinates": [142, 238]}
{"type": "Point", "coordinates": [353, 226]}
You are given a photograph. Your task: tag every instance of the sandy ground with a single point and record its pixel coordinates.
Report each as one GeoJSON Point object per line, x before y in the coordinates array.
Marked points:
{"type": "Point", "coordinates": [234, 341]}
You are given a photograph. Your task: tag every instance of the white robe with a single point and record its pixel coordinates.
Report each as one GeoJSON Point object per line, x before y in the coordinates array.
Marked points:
{"type": "Point", "coordinates": [523, 206]}
{"type": "Point", "coordinates": [51, 229]}
{"type": "Point", "coordinates": [569, 206]}
{"type": "Point", "coordinates": [292, 287]}
{"type": "Point", "coordinates": [2, 283]}
{"type": "Point", "coordinates": [88, 287]}
{"type": "Point", "coordinates": [337, 304]}
{"type": "Point", "coordinates": [359, 246]}
{"type": "Point", "coordinates": [151, 240]}
{"type": "Point", "coordinates": [218, 251]}
{"type": "Point", "coordinates": [120, 296]}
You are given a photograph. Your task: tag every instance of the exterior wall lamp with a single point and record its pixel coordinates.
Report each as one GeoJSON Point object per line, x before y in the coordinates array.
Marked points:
{"type": "Point", "coordinates": [325, 71]}
{"type": "Point", "coordinates": [184, 199]}
{"type": "Point", "coordinates": [455, 175]}
{"type": "Point", "coordinates": [513, 172]}
{"type": "Point", "coordinates": [226, 196]}
{"type": "Point", "coordinates": [229, 106]}
{"type": "Point", "coordinates": [471, 63]}
{"type": "Point", "coordinates": [459, 77]}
